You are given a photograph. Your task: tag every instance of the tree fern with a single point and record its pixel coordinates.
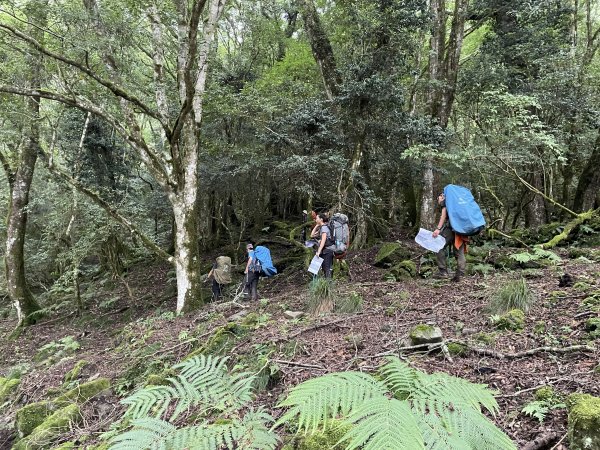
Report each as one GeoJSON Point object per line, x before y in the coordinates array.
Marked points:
{"type": "Point", "coordinates": [204, 384]}
{"type": "Point", "coordinates": [435, 411]}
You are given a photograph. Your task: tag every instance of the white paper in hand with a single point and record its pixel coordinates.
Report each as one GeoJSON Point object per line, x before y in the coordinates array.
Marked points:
{"type": "Point", "coordinates": [425, 239]}
{"type": "Point", "coordinates": [315, 265]}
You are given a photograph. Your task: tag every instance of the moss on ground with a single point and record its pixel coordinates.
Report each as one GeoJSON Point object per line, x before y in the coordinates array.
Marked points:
{"type": "Point", "coordinates": [584, 422]}
{"type": "Point", "coordinates": [513, 320]}
{"type": "Point", "coordinates": [545, 393]}
{"type": "Point", "coordinates": [7, 387]}
{"type": "Point", "coordinates": [84, 392]}
{"type": "Point", "coordinates": [32, 415]}
{"type": "Point", "coordinates": [224, 338]}
{"type": "Point", "coordinates": [50, 429]}
{"type": "Point", "coordinates": [454, 348]}
{"type": "Point", "coordinates": [74, 373]}
{"type": "Point", "coordinates": [321, 440]}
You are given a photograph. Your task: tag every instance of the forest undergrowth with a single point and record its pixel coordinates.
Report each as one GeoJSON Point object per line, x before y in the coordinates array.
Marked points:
{"type": "Point", "coordinates": [134, 341]}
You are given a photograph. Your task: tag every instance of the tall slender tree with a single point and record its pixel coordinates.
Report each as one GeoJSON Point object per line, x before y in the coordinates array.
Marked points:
{"type": "Point", "coordinates": [171, 104]}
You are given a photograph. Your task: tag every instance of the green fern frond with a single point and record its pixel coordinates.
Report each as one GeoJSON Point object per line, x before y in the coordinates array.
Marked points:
{"type": "Point", "coordinates": [257, 436]}
{"type": "Point", "coordinates": [147, 433]}
{"type": "Point", "coordinates": [202, 380]}
{"type": "Point", "coordinates": [381, 423]}
{"type": "Point", "coordinates": [426, 391]}
{"type": "Point", "coordinates": [468, 426]}
{"type": "Point", "coordinates": [153, 400]}
{"type": "Point", "coordinates": [317, 401]}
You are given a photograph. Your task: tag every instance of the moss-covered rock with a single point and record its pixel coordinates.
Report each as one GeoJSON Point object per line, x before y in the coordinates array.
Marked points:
{"type": "Point", "coordinates": [7, 387]}
{"type": "Point", "coordinates": [50, 429]}
{"type": "Point", "coordinates": [454, 348]}
{"type": "Point", "coordinates": [513, 320]}
{"type": "Point", "coordinates": [84, 392]}
{"type": "Point", "coordinates": [425, 334]}
{"type": "Point", "coordinates": [74, 373]}
{"type": "Point", "coordinates": [391, 253]}
{"type": "Point", "coordinates": [584, 422]}
{"type": "Point", "coordinates": [32, 415]}
{"type": "Point", "coordinates": [404, 270]}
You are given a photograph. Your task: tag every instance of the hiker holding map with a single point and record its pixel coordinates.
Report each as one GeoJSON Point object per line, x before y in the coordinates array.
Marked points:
{"type": "Point", "coordinates": [460, 218]}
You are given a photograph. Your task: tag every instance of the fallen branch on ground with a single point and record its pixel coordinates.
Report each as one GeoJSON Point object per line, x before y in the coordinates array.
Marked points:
{"type": "Point", "coordinates": [542, 441]}
{"type": "Point", "coordinates": [319, 325]}
{"type": "Point", "coordinates": [292, 363]}
{"type": "Point", "coordinates": [533, 351]}
{"type": "Point", "coordinates": [535, 388]}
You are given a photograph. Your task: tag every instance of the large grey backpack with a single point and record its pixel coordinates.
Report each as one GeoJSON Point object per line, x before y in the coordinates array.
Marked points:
{"type": "Point", "coordinates": [340, 234]}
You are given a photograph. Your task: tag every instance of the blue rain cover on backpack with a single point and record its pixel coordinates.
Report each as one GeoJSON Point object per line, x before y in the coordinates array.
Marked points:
{"type": "Point", "coordinates": [263, 254]}
{"type": "Point", "coordinates": [463, 211]}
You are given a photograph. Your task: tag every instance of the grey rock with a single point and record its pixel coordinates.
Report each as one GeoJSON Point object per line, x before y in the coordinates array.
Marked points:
{"type": "Point", "coordinates": [293, 314]}
{"type": "Point", "coordinates": [425, 334]}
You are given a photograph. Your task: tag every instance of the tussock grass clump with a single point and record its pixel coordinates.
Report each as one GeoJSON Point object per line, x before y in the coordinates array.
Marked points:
{"type": "Point", "coordinates": [513, 294]}
{"type": "Point", "coordinates": [351, 303]}
{"type": "Point", "coordinates": [320, 296]}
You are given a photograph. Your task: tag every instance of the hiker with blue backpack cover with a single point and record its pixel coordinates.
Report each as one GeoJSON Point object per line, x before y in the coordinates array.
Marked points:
{"type": "Point", "coordinates": [460, 218]}
{"type": "Point", "coordinates": [259, 264]}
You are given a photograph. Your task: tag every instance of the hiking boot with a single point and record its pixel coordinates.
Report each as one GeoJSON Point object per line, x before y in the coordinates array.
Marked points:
{"type": "Point", "coordinates": [457, 276]}
{"type": "Point", "coordinates": [441, 274]}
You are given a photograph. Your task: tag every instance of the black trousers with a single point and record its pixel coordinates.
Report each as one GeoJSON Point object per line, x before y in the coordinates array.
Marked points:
{"type": "Point", "coordinates": [216, 290]}
{"type": "Point", "coordinates": [327, 265]}
{"type": "Point", "coordinates": [252, 284]}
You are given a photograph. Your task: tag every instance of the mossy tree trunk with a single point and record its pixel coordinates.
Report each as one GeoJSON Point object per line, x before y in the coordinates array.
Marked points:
{"type": "Point", "coordinates": [21, 175]}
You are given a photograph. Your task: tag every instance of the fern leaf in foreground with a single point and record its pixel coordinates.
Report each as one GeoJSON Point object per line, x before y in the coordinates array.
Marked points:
{"type": "Point", "coordinates": [147, 433]}
{"type": "Point", "coordinates": [426, 391]}
{"type": "Point", "coordinates": [317, 401]}
{"type": "Point", "coordinates": [383, 424]}
{"type": "Point", "coordinates": [436, 411]}
{"type": "Point", "coordinates": [204, 383]}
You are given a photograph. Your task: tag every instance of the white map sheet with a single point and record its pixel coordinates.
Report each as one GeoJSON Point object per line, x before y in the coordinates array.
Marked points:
{"type": "Point", "coordinates": [315, 265]}
{"type": "Point", "coordinates": [426, 240]}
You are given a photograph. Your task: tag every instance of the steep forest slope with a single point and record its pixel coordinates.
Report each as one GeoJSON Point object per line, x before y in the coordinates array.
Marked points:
{"type": "Point", "coordinates": [131, 341]}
